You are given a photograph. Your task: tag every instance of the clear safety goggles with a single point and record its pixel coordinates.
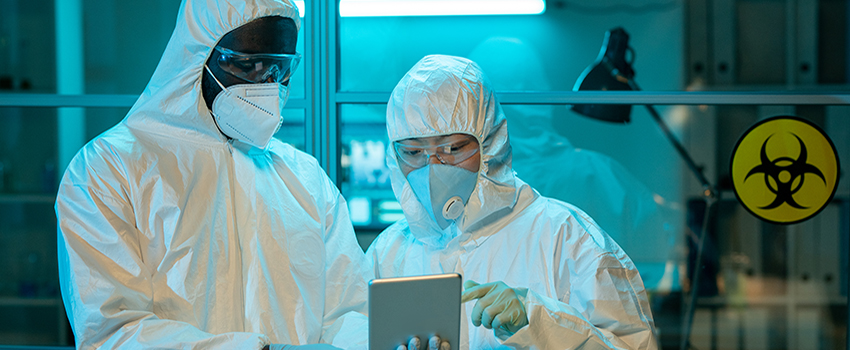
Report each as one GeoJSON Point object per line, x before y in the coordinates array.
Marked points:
{"type": "Point", "coordinates": [452, 151]}
{"type": "Point", "coordinates": [260, 67]}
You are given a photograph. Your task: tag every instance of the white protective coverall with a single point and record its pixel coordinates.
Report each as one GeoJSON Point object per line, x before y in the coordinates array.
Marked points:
{"type": "Point", "coordinates": [583, 291]}
{"type": "Point", "coordinates": [172, 237]}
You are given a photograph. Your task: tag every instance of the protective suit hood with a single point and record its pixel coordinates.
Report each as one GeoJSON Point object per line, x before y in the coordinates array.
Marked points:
{"type": "Point", "coordinates": [172, 102]}
{"type": "Point", "coordinates": [465, 104]}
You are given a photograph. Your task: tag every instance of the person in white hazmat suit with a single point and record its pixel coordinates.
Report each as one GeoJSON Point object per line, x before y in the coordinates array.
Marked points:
{"type": "Point", "coordinates": [550, 277]}
{"type": "Point", "coordinates": [187, 226]}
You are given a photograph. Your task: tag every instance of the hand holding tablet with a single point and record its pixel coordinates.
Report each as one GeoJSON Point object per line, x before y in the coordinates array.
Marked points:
{"type": "Point", "coordinates": [435, 343]}
{"type": "Point", "coordinates": [404, 310]}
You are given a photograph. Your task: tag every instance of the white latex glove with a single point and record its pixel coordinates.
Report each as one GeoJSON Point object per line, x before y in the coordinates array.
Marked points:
{"type": "Point", "coordinates": [498, 306]}
{"type": "Point", "coordinates": [303, 347]}
{"type": "Point", "coordinates": [435, 343]}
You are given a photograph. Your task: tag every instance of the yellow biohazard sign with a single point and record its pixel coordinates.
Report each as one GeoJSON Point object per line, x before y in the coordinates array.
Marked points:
{"type": "Point", "coordinates": [784, 170]}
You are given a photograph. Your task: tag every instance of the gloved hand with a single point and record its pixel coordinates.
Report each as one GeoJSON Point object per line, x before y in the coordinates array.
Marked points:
{"type": "Point", "coordinates": [498, 306]}
{"type": "Point", "coordinates": [435, 343]}
{"type": "Point", "coordinates": [303, 347]}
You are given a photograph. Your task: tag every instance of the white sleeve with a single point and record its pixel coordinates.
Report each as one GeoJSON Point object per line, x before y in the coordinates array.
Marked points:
{"type": "Point", "coordinates": [601, 302]}
{"type": "Point", "coordinates": [555, 325]}
{"type": "Point", "coordinates": [105, 285]}
{"type": "Point", "coordinates": [347, 273]}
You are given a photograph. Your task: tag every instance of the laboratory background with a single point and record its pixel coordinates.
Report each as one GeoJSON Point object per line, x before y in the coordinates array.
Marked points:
{"type": "Point", "coordinates": [718, 276]}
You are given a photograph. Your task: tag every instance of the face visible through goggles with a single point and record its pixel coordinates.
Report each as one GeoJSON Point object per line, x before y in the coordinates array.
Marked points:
{"type": "Point", "coordinates": [260, 67]}
{"type": "Point", "coordinates": [451, 150]}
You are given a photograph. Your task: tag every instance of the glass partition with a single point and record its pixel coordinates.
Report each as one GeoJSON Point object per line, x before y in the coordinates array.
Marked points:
{"type": "Point", "coordinates": [123, 50]}
{"type": "Point", "coordinates": [27, 156]}
{"type": "Point", "coordinates": [674, 45]}
{"type": "Point", "coordinates": [365, 177]}
{"type": "Point", "coordinates": [293, 129]}
{"type": "Point", "coordinates": [121, 43]}
{"type": "Point", "coordinates": [29, 285]}
{"type": "Point", "coordinates": [27, 47]}
{"type": "Point", "coordinates": [557, 44]}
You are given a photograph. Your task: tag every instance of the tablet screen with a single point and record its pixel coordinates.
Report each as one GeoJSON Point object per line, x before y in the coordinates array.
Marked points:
{"type": "Point", "coordinates": [402, 307]}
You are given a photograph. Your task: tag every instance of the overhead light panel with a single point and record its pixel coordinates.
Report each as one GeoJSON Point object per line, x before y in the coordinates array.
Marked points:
{"type": "Point", "coordinates": [388, 8]}
{"type": "Point", "coordinates": [300, 5]}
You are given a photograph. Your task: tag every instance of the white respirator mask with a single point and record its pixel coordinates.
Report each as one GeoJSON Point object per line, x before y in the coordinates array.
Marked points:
{"type": "Point", "coordinates": [443, 190]}
{"type": "Point", "coordinates": [250, 113]}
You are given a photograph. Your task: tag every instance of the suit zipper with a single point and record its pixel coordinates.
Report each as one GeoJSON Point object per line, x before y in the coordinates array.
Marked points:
{"type": "Point", "coordinates": [231, 180]}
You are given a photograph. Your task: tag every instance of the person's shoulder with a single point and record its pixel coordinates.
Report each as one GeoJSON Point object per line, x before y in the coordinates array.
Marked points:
{"type": "Point", "coordinates": [399, 230]}
{"type": "Point", "coordinates": [293, 158]}
{"type": "Point", "coordinates": [558, 208]}
{"type": "Point", "coordinates": [389, 250]}
{"type": "Point", "coordinates": [570, 222]}
{"type": "Point", "coordinates": [106, 163]}
{"type": "Point", "coordinates": [284, 149]}
{"type": "Point", "coordinates": [568, 232]}
{"type": "Point", "coordinates": [302, 173]}
{"type": "Point", "coordinates": [110, 147]}
{"type": "Point", "coordinates": [118, 137]}
{"type": "Point", "coordinates": [395, 234]}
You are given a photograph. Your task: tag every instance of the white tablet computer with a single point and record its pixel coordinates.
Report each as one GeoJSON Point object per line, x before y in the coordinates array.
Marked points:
{"type": "Point", "coordinates": [402, 307]}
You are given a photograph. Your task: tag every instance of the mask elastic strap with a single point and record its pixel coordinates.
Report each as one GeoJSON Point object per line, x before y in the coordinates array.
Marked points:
{"type": "Point", "coordinates": [213, 76]}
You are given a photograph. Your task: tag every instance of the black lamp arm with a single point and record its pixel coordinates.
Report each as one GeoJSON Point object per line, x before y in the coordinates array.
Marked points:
{"type": "Point", "coordinates": [709, 190]}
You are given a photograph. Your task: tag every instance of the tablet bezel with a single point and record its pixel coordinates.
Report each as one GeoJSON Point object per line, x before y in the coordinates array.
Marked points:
{"type": "Point", "coordinates": [414, 305]}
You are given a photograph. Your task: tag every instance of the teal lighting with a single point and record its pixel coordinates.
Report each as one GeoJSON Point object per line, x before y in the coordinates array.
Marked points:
{"type": "Point", "coordinates": [387, 8]}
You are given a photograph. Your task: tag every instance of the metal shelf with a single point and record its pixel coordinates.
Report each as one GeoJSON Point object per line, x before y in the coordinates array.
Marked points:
{"type": "Point", "coordinates": [782, 98]}
{"type": "Point", "coordinates": [16, 301]}
{"type": "Point", "coordinates": [28, 198]}
{"type": "Point", "coordinates": [779, 300]}
{"type": "Point", "coordinates": [785, 98]}
{"type": "Point", "coordinates": [89, 100]}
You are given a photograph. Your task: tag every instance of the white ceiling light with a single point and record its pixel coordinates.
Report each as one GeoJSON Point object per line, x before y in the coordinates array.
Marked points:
{"type": "Point", "coordinates": [379, 8]}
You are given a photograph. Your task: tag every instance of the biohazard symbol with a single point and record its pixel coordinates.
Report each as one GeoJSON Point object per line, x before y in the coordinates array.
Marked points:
{"type": "Point", "coordinates": [784, 176]}
{"type": "Point", "coordinates": [784, 170]}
